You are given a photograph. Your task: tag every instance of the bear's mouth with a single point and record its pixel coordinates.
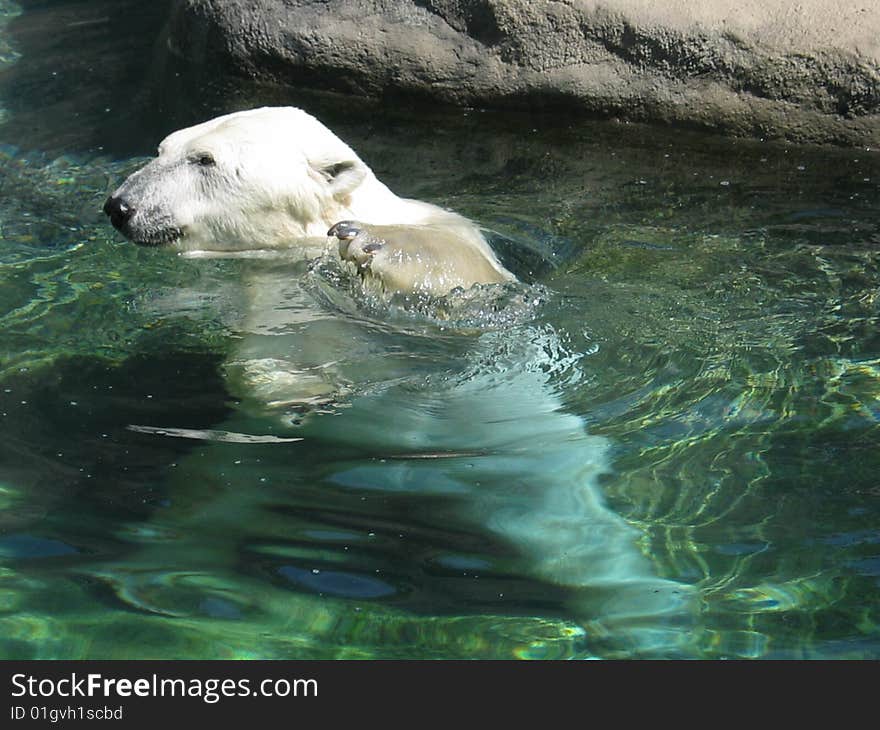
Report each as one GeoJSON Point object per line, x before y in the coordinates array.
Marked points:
{"type": "Point", "coordinates": [159, 237]}
{"type": "Point", "coordinates": [126, 219]}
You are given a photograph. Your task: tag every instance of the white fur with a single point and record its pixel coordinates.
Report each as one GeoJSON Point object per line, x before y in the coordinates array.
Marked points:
{"type": "Point", "coordinates": [279, 179]}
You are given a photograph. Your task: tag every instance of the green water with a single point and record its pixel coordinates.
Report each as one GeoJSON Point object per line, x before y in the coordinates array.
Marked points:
{"type": "Point", "coordinates": [696, 348]}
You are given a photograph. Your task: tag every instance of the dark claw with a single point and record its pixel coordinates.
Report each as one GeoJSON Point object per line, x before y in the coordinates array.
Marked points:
{"type": "Point", "coordinates": [344, 230]}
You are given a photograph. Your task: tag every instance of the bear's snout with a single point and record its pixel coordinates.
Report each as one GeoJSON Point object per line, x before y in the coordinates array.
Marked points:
{"type": "Point", "coordinates": [118, 211]}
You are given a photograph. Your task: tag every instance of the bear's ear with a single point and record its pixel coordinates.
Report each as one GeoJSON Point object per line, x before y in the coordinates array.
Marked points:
{"type": "Point", "coordinates": [343, 177]}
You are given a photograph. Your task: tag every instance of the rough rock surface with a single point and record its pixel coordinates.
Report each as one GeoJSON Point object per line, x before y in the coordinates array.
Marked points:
{"type": "Point", "coordinates": [807, 71]}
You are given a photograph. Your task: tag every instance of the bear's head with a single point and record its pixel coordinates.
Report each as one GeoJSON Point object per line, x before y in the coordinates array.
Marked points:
{"type": "Point", "coordinates": [262, 178]}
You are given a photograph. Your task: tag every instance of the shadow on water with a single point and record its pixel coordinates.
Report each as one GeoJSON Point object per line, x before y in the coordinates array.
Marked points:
{"type": "Point", "coordinates": [78, 83]}
{"type": "Point", "coordinates": [65, 444]}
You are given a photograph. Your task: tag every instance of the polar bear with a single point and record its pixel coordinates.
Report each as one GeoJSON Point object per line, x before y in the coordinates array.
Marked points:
{"type": "Point", "coordinates": [277, 178]}
{"type": "Point", "coordinates": [475, 413]}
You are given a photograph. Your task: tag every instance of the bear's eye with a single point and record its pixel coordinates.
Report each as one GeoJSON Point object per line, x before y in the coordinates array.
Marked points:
{"type": "Point", "coordinates": [203, 159]}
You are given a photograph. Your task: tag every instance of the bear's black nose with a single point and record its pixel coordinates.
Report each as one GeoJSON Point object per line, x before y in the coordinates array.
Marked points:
{"type": "Point", "coordinates": [119, 211]}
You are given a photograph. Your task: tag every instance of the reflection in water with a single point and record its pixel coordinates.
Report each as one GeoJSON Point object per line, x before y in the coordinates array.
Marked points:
{"type": "Point", "coordinates": [481, 424]}
{"type": "Point", "coordinates": [690, 404]}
